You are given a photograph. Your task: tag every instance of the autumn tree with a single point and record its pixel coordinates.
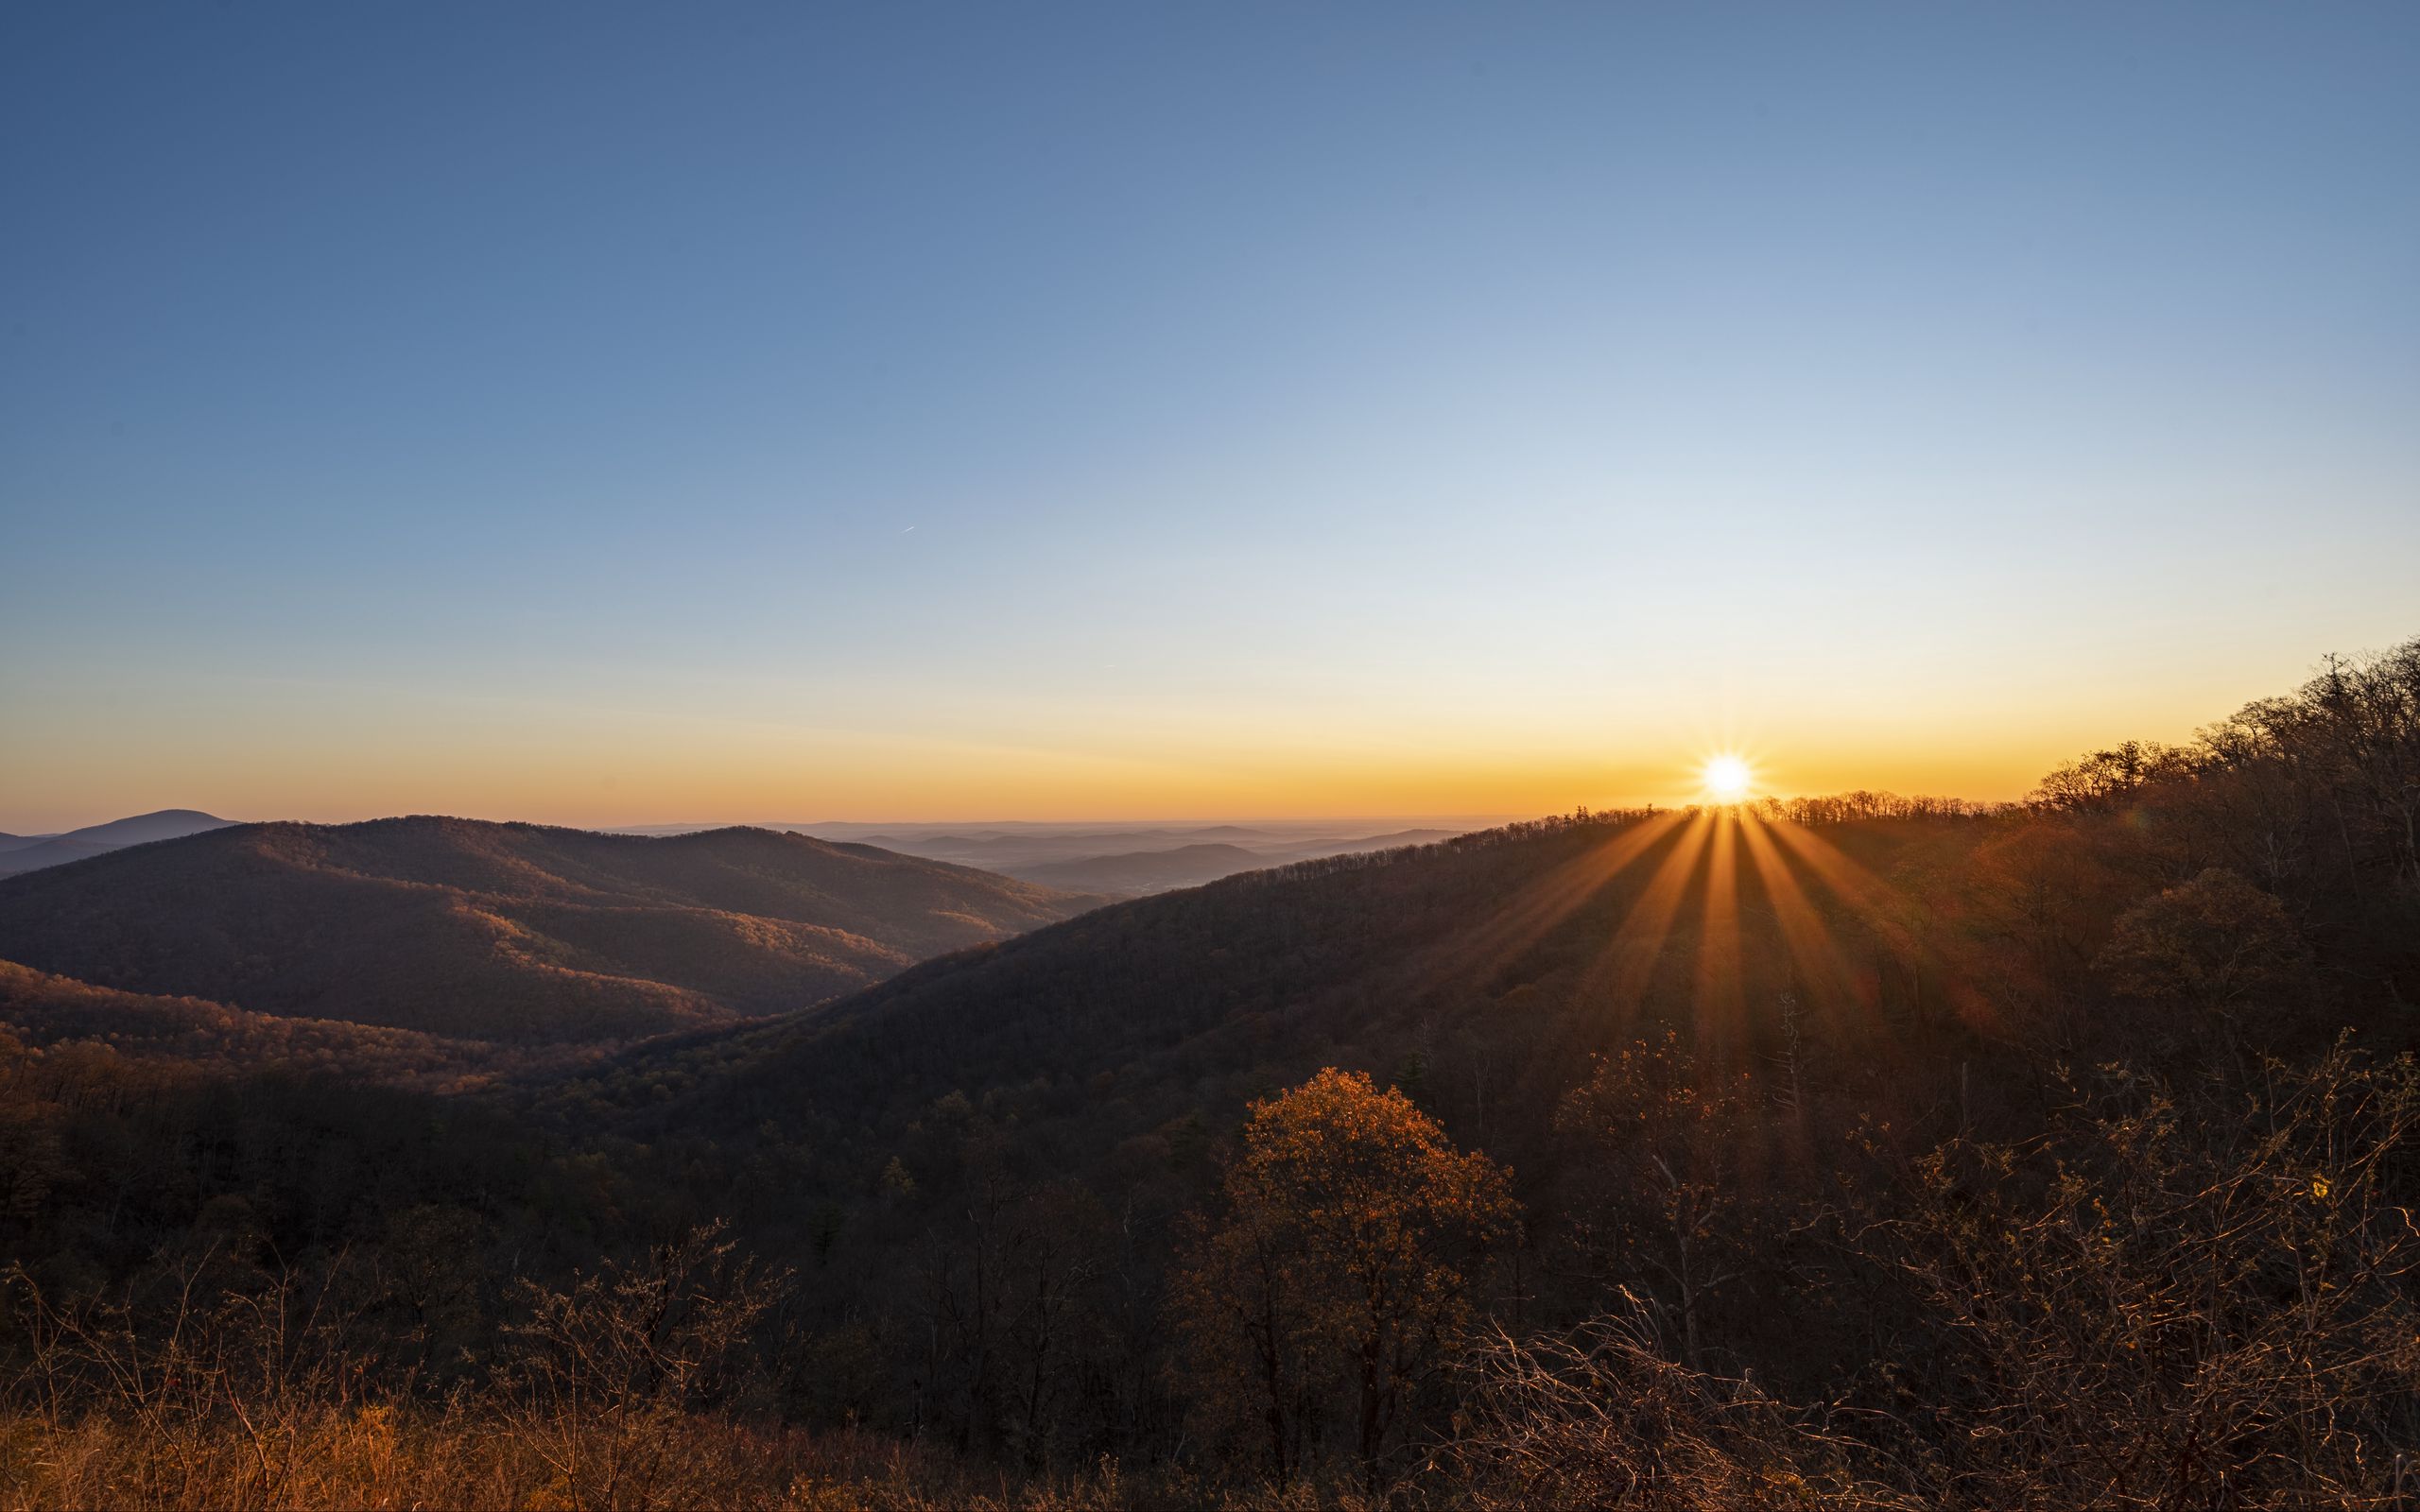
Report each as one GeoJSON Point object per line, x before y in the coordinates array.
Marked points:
{"type": "Point", "coordinates": [1352, 1232]}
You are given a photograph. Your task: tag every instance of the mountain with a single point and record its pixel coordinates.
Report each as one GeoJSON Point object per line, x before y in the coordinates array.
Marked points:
{"type": "Point", "coordinates": [1017, 847]}
{"type": "Point", "coordinates": [1388, 842]}
{"type": "Point", "coordinates": [166, 824]}
{"type": "Point", "coordinates": [1018, 851]}
{"type": "Point", "coordinates": [505, 932]}
{"type": "Point", "coordinates": [1142, 871]}
{"type": "Point", "coordinates": [1192, 865]}
{"type": "Point", "coordinates": [1503, 958]}
{"type": "Point", "coordinates": [1119, 1047]}
{"type": "Point", "coordinates": [52, 853]}
{"type": "Point", "coordinates": [1868, 951]}
{"type": "Point", "coordinates": [20, 854]}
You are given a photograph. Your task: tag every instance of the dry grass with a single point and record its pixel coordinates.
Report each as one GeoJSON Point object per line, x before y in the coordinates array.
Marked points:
{"type": "Point", "coordinates": [405, 1456]}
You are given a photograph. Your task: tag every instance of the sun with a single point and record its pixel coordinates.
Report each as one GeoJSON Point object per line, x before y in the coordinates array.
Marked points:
{"type": "Point", "coordinates": [1727, 778]}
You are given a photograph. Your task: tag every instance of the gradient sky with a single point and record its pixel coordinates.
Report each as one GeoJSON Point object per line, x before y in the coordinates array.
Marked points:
{"type": "Point", "coordinates": [612, 414]}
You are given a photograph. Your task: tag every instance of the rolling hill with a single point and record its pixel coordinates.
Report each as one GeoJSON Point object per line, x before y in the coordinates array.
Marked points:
{"type": "Point", "coordinates": [505, 932]}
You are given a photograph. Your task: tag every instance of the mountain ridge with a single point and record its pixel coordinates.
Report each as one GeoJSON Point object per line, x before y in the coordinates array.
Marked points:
{"type": "Point", "coordinates": [20, 854]}
{"type": "Point", "coordinates": [493, 930]}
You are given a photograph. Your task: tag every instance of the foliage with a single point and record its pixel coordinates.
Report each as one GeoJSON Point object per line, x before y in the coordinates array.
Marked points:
{"type": "Point", "coordinates": [2213, 945]}
{"type": "Point", "coordinates": [1664, 1200]}
{"type": "Point", "coordinates": [2165, 1302]}
{"type": "Point", "coordinates": [1345, 1258]}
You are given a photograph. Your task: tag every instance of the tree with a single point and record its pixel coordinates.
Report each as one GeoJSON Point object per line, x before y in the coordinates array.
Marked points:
{"type": "Point", "coordinates": [1661, 1200]}
{"type": "Point", "coordinates": [2216, 943]}
{"type": "Point", "coordinates": [1353, 1233]}
{"type": "Point", "coordinates": [2109, 779]}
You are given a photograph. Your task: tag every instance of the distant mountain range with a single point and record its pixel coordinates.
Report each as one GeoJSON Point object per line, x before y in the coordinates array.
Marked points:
{"type": "Point", "coordinates": [1138, 872]}
{"type": "Point", "coordinates": [1128, 859]}
{"type": "Point", "coordinates": [505, 932]}
{"type": "Point", "coordinates": [1142, 871]}
{"type": "Point", "coordinates": [31, 852]}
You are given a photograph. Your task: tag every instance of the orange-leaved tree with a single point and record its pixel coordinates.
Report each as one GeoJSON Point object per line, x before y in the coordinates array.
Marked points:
{"type": "Point", "coordinates": [1343, 1267]}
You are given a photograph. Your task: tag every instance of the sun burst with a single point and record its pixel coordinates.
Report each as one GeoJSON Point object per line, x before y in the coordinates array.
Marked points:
{"type": "Point", "coordinates": [1727, 778]}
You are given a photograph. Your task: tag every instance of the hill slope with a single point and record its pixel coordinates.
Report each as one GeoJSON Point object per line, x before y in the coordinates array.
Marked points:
{"type": "Point", "coordinates": [505, 931]}
{"type": "Point", "coordinates": [1488, 967]}
{"type": "Point", "coordinates": [39, 1010]}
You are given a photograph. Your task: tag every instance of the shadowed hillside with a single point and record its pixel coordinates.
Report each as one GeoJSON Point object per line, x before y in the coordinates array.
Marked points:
{"type": "Point", "coordinates": [1482, 972]}
{"type": "Point", "coordinates": [504, 931]}
{"type": "Point", "coordinates": [44, 1013]}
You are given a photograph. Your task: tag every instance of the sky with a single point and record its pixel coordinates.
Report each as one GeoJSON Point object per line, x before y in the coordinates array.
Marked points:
{"type": "Point", "coordinates": [610, 414]}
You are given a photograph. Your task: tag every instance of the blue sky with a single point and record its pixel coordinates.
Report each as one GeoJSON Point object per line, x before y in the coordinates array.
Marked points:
{"type": "Point", "coordinates": [622, 414]}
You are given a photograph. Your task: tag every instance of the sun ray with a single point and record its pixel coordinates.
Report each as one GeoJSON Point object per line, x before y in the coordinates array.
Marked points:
{"type": "Point", "coordinates": [1720, 1001]}
{"type": "Point", "coordinates": [1846, 877]}
{"type": "Point", "coordinates": [1627, 964]}
{"type": "Point", "coordinates": [1816, 956]}
{"type": "Point", "coordinates": [1554, 897]}
{"type": "Point", "coordinates": [1877, 904]}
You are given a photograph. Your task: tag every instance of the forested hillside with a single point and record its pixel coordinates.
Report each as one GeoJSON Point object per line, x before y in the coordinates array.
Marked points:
{"type": "Point", "coordinates": [1862, 1152]}
{"type": "Point", "coordinates": [505, 932]}
{"type": "Point", "coordinates": [38, 1009]}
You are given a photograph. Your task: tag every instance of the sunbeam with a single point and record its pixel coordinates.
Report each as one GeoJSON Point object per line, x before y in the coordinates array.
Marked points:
{"type": "Point", "coordinates": [1719, 997]}
{"type": "Point", "coordinates": [1627, 963]}
{"type": "Point", "coordinates": [1823, 971]}
{"type": "Point", "coordinates": [1553, 897]}
{"type": "Point", "coordinates": [1880, 908]}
